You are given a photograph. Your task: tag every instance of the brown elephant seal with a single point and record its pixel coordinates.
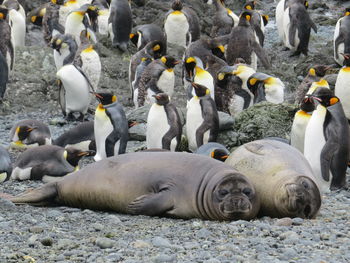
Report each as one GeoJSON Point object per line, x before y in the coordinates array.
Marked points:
{"type": "Point", "coordinates": [179, 185]}
{"type": "Point", "coordinates": [282, 177]}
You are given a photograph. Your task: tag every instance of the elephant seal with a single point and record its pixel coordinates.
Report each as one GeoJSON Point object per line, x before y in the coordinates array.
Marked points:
{"type": "Point", "coordinates": [282, 177]}
{"type": "Point", "coordinates": [178, 185]}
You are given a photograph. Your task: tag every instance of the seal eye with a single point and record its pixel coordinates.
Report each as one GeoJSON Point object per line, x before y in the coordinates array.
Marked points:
{"type": "Point", "coordinates": [305, 184]}
{"type": "Point", "coordinates": [247, 191]}
{"type": "Point", "coordinates": [223, 192]}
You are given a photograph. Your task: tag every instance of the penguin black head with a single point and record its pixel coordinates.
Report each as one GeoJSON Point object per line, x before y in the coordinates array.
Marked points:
{"type": "Point", "coordinates": [219, 154]}
{"type": "Point", "coordinates": [161, 98]}
{"type": "Point", "coordinates": [200, 90]}
{"type": "Point", "coordinates": [190, 64]}
{"type": "Point", "coordinates": [74, 155]}
{"type": "Point", "coordinates": [134, 38]}
{"type": "Point", "coordinates": [265, 19]}
{"type": "Point", "coordinates": [106, 98]}
{"type": "Point", "coordinates": [169, 61]}
{"type": "Point", "coordinates": [58, 2]}
{"type": "Point", "coordinates": [346, 60]}
{"type": "Point", "coordinates": [219, 51]}
{"type": "Point", "coordinates": [155, 48]}
{"type": "Point", "coordinates": [177, 5]}
{"type": "Point", "coordinates": [257, 87]}
{"type": "Point", "coordinates": [244, 18]}
{"type": "Point", "coordinates": [347, 11]}
{"type": "Point", "coordinates": [24, 131]}
{"type": "Point", "coordinates": [325, 96]}
{"type": "Point", "coordinates": [36, 16]}
{"type": "Point", "coordinates": [223, 78]}
{"type": "Point", "coordinates": [307, 104]}
{"type": "Point", "coordinates": [249, 5]}
{"type": "Point", "coordinates": [318, 70]}
{"type": "Point", "coordinates": [3, 13]}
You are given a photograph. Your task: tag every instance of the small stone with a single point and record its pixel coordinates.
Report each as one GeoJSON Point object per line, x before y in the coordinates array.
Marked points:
{"type": "Point", "coordinates": [324, 236]}
{"type": "Point", "coordinates": [47, 241]}
{"type": "Point", "coordinates": [104, 243]}
{"type": "Point", "coordinates": [36, 229]}
{"type": "Point", "coordinates": [286, 221]}
{"type": "Point", "coordinates": [289, 235]}
{"type": "Point", "coordinates": [212, 260]}
{"type": "Point", "coordinates": [114, 219]}
{"type": "Point", "coordinates": [97, 227]}
{"type": "Point", "coordinates": [140, 244]}
{"type": "Point", "coordinates": [165, 258]}
{"type": "Point", "coordinates": [161, 242]}
{"type": "Point", "coordinates": [114, 257]}
{"type": "Point", "coordinates": [204, 233]}
{"type": "Point", "coordinates": [32, 240]}
{"type": "Point", "coordinates": [297, 221]}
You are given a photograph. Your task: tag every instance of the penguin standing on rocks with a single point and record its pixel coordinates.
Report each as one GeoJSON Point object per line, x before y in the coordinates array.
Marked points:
{"type": "Point", "coordinates": [120, 23]}
{"type": "Point", "coordinates": [224, 19]}
{"type": "Point", "coordinates": [74, 91]}
{"type": "Point", "coordinates": [5, 165]}
{"type": "Point", "coordinates": [164, 126]}
{"type": "Point", "coordinates": [51, 20]}
{"type": "Point", "coordinates": [17, 21]}
{"type": "Point", "coordinates": [64, 49]}
{"type": "Point", "coordinates": [181, 25]}
{"type": "Point", "coordinates": [47, 163]}
{"type": "Point", "coordinates": [266, 88]}
{"type": "Point", "coordinates": [144, 34]}
{"type": "Point", "coordinates": [297, 26]}
{"type": "Point", "coordinates": [30, 133]}
{"type": "Point", "coordinates": [214, 150]}
{"type": "Point", "coordinates": [110, 126]}
{"type": "Point", "coordinates": [327, 141]}
{"type": "Point", "coordinates": [136, 82]}
{"type": "Point", "coordinates": [342, 85]}
{"type": "Point", "coordinates": [80, 137]}
{"type": "Point", "coordinates": [342, 37]}
{"type": "Point", "coordinates": [157, 77]}
{"type": "Point", "coordinates": [202, 120]}
{"type": "Point", "coordinates": [242, 43]}
{"type": "Point", "coordinates": [6, 45]}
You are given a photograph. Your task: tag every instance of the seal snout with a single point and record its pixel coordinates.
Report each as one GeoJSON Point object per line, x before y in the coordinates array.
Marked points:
{"type": "Point", "coordinates": [235, 204]}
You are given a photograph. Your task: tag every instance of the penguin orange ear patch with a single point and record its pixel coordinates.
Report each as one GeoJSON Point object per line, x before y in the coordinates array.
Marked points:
{"type": "Point", "coordinates": [312, 72]}
{"type": "Point", "coordinates": [221, 76]}
{"type": "Point", "coordinates": [252, 81]}
{"type": "Point", "coordinates": [156, 47]}
{"type": "Point", "coordinates": [333, 100]}
{"type": "Point", "coordinates": [163, 59]}
{"type": "Point", "coordinates": [33, 18]}
{"type": "Point", "coordinates": [249, 7]}
{"type": "Point", "coordinates": [347, 14]}
{"type": "Point", "coordinates": [2, 16]}
{"type": "Point", "coordinates": [131, 35]}
{"type": "Point", "coordinates": [207, 92]}
{"type": "Point", "coordinates": [248, 17]}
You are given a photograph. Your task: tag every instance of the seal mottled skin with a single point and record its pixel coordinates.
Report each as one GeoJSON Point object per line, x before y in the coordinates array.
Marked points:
{"type": "Point", "coordinates": [179, 185]}
{"type": "Point", "coordinates": [282, 177]}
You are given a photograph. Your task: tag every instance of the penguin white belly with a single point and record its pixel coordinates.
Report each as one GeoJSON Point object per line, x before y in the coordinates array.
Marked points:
{"type": "Point", "coordinates": [64, 11]}
{"type": "Point", "coordinates": [139, 41]}
{"type": "Point", "coordinates": [21, 173]}
{"type": "Point", "coordinates": [102, 21]}
{"type": "Point", "coordinates": [287, 25]}
{"type": "Point", "coordinates": [279, 19]}
{"type": "Point", "coordinates": [83, 2]}
{"type": "Point", "coordinates": [74, 28]}
{"type": "Point", "coordinates": [8, 60]}
{"type": "Point", "coordinates": [274, 93]}
{"type": "Point", "coordinates": [102, 128]}
{"type": "Point", "coordinates": [176, 27]}
{"type": "Point", "coordinates": [297, 135]}
{"type": "Point", "coordinates": [340, 58]}
{"type": "Point", "coordinates": [136, 94]}
{"type": "Point", "coordinates": [193, 120]}
{"type": "Point", "coordinates": [110, 31]}
{"type": "Point", "coordinates": [314, 143]}
{"type": "Point", "coordinates": [342, 90]}
{"type": "Point", "coordinates": [157, 126]}
{"type": "Point", "coordinates": [77, 95]}
{"type": "Point", "coordinates": [60, 57]}
{"type": "Point", "coordinates": [166, 82]}
{"type": "Point", "coordinates": [234, 17]}
{"type": "Point", "coordinates": [91, 66]}
{"type": "Point", "coordinates": [83, 146]}
{"type": "Point", "coordinates": [18, 28]}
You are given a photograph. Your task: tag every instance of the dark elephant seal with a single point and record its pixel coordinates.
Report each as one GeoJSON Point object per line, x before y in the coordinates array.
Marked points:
{"type": "Point", "coordinates": [282, 177]}
{"type": "Point", "coordinates": [179, 185]}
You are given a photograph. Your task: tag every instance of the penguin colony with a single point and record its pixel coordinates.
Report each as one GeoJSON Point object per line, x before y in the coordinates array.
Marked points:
{"type": "Point", "coordinates": [220, 72]}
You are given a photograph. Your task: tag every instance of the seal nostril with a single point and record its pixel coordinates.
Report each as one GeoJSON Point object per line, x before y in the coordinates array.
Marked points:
{"type": "Point", "coordinates": [307, 211]}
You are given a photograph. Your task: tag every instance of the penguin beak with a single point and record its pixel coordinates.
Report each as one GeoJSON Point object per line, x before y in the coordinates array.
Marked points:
{"type": "Point", "coordinates": [96, 95]}
{"type": "Point", "coordinates": [156, 96]}
{"type": "Point", "coordinates": [194, 85]}
{"type": "Point", "coordinates": [132, 123]}
{"type": "Point", "coordinates": [177, 62]}
{"type": "Point", "coordinates": [224, 157]}
{"type": "Point", "coordinates": [86, 153]}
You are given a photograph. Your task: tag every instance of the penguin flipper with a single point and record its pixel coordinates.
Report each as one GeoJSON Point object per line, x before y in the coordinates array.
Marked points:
{"type": "Point", "coordinates": [4, 75]}
{"type": "Point", "coordinates": [86, 77]}
{"type": "Point", "coordinates": [62, 97]}
{"type": "Point", "coordinates": [12, 54]}
{"type": "Point", "coordinates": [38, 197]}
{"type": "Point", "coordinates": [327, 154]}
{"type": "Point", "coordinates": [340, 39]}
{"type": "Point", "coordinates": [260, 52]}
{"type": "Point", "coordinates": [292, 32]}
{"type": "Point", "coordinates": [110, 142]}
{"type": "Point", "coordinates": [259, 34]}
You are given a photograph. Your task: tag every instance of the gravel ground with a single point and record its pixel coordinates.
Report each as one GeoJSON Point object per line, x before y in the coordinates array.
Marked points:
{"type": "Point", "coordinates": [62, 234]}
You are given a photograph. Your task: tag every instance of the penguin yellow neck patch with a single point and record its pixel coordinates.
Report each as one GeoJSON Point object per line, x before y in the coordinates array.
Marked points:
{"type": "Point", "coordinates": [89, 49]}
{"type": "Point", "coordinates": [177, 12]}
{"type": "Point", "coordinates": [347, 14]}
{"type": "Point", "coordinates": [229, 11]}
{"type": "Point", "coordinates": [346, 69]}
{"type": "Point", "coordinates": [303, 114]}
{"type": "Point", "coordinates": [322, 83]}
{"type": "Point", "coordinates": [100, 107]}
{"type": "Point", "coordinates": [170, 70]}
{"type": "Point", "coordinates": [312, 72]}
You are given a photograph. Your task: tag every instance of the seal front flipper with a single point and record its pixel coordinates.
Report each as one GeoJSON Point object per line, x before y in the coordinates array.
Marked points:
{"type": "Point", "coordinates": [42, 196]}
{"type": "Point", "coordinates": [155, 204]}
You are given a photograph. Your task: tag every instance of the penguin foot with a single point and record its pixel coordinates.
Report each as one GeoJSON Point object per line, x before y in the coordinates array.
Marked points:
{"type": "Point", "coordinates": [70, 117]}
{"type": "Point", "coordinates": [285, 49]}
{"type": "Point", "coordinates": [295, 54]}
{"type": "Point", "coordinates": [81, 117]}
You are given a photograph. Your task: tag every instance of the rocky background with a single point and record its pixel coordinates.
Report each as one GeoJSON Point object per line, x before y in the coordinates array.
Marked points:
{"type": "Point", "coordinates": [61, 234]}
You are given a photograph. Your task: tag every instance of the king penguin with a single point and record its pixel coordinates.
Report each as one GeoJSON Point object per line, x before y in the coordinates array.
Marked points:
{"type": "Point", "coordinates": [50, 24]}
{"type": "Point", "coordinates": [144, 34]}
{"type": "Point", "coordinates": [6, 45]}
{"type": "Point", "coordinates": [37, 14]}
{"type": "Point", "coordinates": [65, 9]}
{"type": "Point", "coordinates": [17, 22]}
{"type": "Point", "coordinates": [64, 49]}
{"type": "Point", "coordinates": [103, 16]}
{"type": "Point", "coordinates": [120, 23]}
{"type": "Point", "coordinates": [164, 126]}
{"type": "Point", "coordinates": [47, 163]}
{"type": "Point", "coordinates": [202, 120]}
{"type": "Point", "coordinates": [224, 19]}
{"type": "Point", "coordinates": [214, 150]}
{"type": "Point", "coordinates": [5, 165]}
{"type": "Point", "coordinates": [342, 85]}
{"type": "Point", "coordinates": [327, 141]}
{"type": "Point", "coordinates": [29, 133]}
{"type": "Point", "coordinates": [342, 37]}
{"type": "Point", "coordinates": [110, 127]}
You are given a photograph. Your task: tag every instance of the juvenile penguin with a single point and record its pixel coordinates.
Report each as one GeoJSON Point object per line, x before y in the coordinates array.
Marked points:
{"type": "Point", "coordinates": [51, 20]}
{"type": "Point", "coordinates": [224, 19]}
{"type": "Point", "coordinates": [120, 23]}
{"type": "Point", "coordinates": [181, 25]}
{"type": "Point", "coordinates": [110, 127]}
{"type": "Point", "coordinates": [342, 37]}
{"type": "Point", "coordinates": [74, 91]}
{"type": "Point", "coordinates": [144, 34]}
{"type": "Point", "coordinates": [242, 43]}
{"type": "Point", "coordinates": [266, 88]}
{"type": "Point", "coordinates": [327, 141]}
{"type": "Point", "coordinates": [136, 82]}
{"type": "Point", "coordinates": [214, 150]}
{"type": "Point", "coordinates": [47, 163]}
{"type": "Point", "coordinates": [29, 133]}
{"type": "Point", "coordinates": [164, 126]}
{"type": "Point", "coordinates": [342, 85]}
{"type": "Point", "coordinates": [202, 120]}
{"type": "Point", "coordinates": [6, 44]}
{"type": "Point", "coordinates": [64, 49]}
{"type": "Point", "coordinates": [157, 77]}
{"type": "Point", "coordinates": [80, 137]}
{"type": "Point", "coordinates": [5, 165]}
{"type": "Point", "coordinates": [297, 26]}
